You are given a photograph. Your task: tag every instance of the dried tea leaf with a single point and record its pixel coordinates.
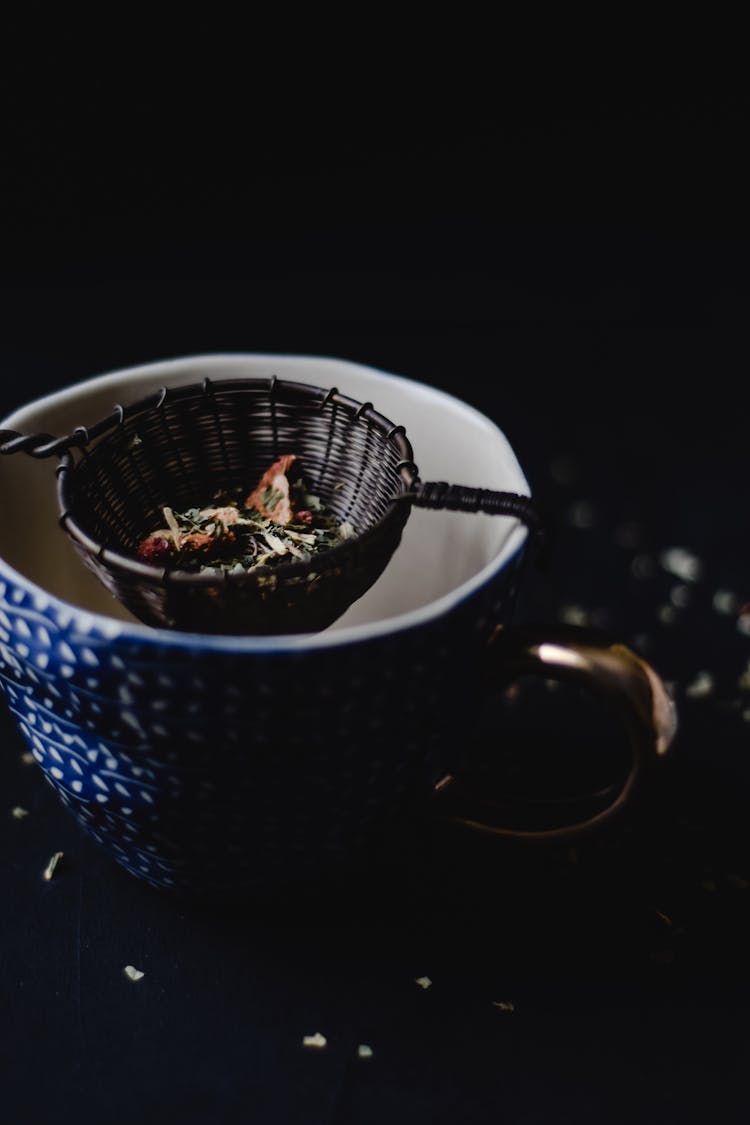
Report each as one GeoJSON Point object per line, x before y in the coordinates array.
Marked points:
{"type": "Point", "coordinates": [701, 686]}
{"type": "Point", "coordinates": [18, 813]}
{"type": "Point", "coordinates": [725, 602]}
{"type": "Point", "coordinates": [667, 614]}
{"type": "Point", "coordinates": [573, 615]}
{"type": "Point", "coordinates": [51, 867]}
{"type": "Point", "coordinates": [364, 1051]}
{"type": "Point", "coordinates": [423, 982]}
{"type": "Point", "coordinates": [504, 1005]}
{"type": "Point", "coordinates": [277, 523]}
{"type": "Point", "coordinates": [173, 526]}
{"type": "Point", "coordinates": [317, 1040]}
{"type": "Point", "coordinates": [132, 973]}
{"type": "Point", "coordinates": [682, 563]}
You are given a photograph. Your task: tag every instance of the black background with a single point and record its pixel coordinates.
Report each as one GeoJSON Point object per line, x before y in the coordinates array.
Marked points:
{"type": "Point", "coordinates": [569, 255]}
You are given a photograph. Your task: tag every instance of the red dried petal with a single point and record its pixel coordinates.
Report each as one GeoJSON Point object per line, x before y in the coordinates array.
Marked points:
{"type": "Point", "coordinates": [155, 549]}
{"type": "Point", "coordinates": [278, 477]}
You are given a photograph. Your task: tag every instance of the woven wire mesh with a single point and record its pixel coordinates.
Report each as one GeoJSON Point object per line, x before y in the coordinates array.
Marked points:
{"type": "Point", "coordinates": [179, 448]}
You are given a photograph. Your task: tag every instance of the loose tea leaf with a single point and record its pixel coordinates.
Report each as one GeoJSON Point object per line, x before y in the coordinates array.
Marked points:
{"type": "Point", "coordinates": [702, 685]}
{"type": "Point", "coordinates": [317, 1040]}
{"type": "Point", "coordinates": [132, 973]}
{"type": "Point", "coordinates": [278, 522]}
{"type": "Point", "coordinates": [51, 867]}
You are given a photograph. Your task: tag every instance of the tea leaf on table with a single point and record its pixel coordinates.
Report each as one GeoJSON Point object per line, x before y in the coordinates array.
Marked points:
{"type": "Point", "coordinates": [51, 867]}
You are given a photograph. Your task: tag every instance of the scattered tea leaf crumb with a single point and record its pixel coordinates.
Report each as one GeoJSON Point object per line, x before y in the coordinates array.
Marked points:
{"type": "Point", "coordinates": [317, 1040]}
{"type": "Point", "coordinates": [664, 917]}
{"type": "Point", "coordinates": [423, 982]}
{"type": "Point", "coordinates": [18, 813]}
{"type": "Point", "coordinates": [682, 563]}
{"type": "Point", "coordinates": [27, 759]}
{"type": "Point", "coordinates": [667, 614]}
{"type": "Point", "coordinates": [364, 1052]}
{"type": "Point", "coordinates": [701, 686]}
{"type": "Point", "coordinates": [132, 973]}
{"type": "Point", "coordinates": [51, 867]}
{"type": "Point", "coordinates": [504, 1005]}
{"type": "Point", "coordinates": [743, 624]}
{"type": "Point", "coordinates": [724, 601]}
{"type": "Point", "coordinates": [574, 615]}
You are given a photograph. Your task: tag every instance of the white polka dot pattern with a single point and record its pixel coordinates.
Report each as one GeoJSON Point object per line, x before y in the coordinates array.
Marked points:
{"type": "Point", "coordinates": [210, 772]}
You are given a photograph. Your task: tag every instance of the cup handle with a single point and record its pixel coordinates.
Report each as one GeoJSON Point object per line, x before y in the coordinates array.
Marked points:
{"type": "Point", "coordinates": [633, 691]}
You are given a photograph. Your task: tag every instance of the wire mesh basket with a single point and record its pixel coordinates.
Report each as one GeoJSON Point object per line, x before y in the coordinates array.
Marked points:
{"type": "Point", "coordinates": [179, 446]}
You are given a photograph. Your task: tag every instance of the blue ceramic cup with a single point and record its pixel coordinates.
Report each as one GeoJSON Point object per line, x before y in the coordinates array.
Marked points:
{"type": "Point", "coordinates": [213, 764]}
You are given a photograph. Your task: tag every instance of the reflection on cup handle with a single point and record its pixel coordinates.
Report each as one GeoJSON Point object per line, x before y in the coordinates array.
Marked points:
{"type": "Point", "coordinates": [633, 691]}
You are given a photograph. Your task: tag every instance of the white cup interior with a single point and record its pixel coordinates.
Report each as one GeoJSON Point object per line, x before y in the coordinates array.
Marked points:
{"type": "Point", "coordinates": [441, 554]}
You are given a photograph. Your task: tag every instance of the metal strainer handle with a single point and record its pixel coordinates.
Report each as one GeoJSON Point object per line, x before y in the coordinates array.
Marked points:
{"type": "Point", "coordinates": [460, 498]}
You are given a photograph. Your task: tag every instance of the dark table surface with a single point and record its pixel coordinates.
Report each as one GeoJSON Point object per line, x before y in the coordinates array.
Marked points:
{"type": "Point", "coordinates": [580, 275]}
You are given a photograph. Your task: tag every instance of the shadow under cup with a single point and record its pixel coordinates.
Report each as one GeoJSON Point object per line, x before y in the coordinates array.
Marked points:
{"type": "Point", "coordinates": [215, 764]}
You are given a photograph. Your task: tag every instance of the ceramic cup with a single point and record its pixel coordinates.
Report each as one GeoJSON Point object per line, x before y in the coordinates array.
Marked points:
{"type": "Point", "coordinates": [212, 764]}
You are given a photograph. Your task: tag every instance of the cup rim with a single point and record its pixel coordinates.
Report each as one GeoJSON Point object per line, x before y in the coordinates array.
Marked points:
{"type": "Point", "coordinates": [112, 627]}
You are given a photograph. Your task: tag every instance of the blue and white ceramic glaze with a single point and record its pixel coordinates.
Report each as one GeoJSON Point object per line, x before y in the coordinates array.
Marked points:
{"type": "Point", "coordinates": [213, 764]}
